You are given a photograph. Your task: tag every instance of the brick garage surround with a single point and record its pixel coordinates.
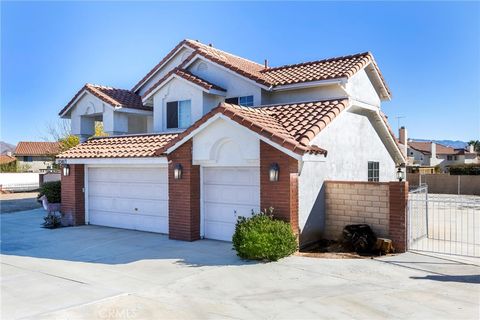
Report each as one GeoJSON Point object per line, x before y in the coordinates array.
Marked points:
{"type": "Point", "coordinates": [282, 195]}
{"type": "Point", "coordinates": [184, 196]}
{"type": "Point", "coordinates": [73, 196]}
{"type": "Point", "coordinates": [382, 205]}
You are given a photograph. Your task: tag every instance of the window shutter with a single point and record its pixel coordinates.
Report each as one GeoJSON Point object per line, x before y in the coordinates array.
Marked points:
{"type": "Point", "coordinates": [172, 115]}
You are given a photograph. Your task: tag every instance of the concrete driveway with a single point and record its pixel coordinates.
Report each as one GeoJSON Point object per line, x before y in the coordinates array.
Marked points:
{"type": "Point", "coordinates": [93, 272]}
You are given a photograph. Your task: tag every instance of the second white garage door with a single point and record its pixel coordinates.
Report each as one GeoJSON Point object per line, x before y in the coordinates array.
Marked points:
{"type": "Point", "coordinates": [228, 192]}
{"type": "Point", "coordinates": [129, 197]}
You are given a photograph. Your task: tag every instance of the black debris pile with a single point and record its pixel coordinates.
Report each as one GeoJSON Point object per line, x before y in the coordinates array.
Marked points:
{"type": "Point", "coordinates": [361, 237]}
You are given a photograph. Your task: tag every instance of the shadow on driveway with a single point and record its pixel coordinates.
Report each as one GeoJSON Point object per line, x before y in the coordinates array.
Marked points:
{"type": "Point", "coordinates": [448, 278]}
{"type": "Point", "coordinates": [22, 235]}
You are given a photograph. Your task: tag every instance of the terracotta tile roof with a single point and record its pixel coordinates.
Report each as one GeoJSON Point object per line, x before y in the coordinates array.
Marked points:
{"type": "Point", "coordinates": [187, 76]}
{"type": "Point", "coordinates": [4, 159]}
{"type": "Point", "coordinates": [425, 148]}
{"type": "Point", "coordinates": [128, 146]}
{"type": "Point", "coordinates": [333, 68]}
{"type": "Point", "coordinates": [27, 148]}
{"type": "Point", "coordinates": [197, 80]}
{"type": "Point", "coordinates": [292, 126]}
{"type": "Point", "coordinates": [113, 96]}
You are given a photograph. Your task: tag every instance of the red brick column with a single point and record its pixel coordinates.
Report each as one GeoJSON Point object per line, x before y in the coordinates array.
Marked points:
{"type": "Point", "coordinates": [184, 196]}
{"type": "Point", "coordinates": [73, 196]}
{"type": "Point", "coordinates": [281, 195]}
{"type": "Point", "coordinates": [398, 198]}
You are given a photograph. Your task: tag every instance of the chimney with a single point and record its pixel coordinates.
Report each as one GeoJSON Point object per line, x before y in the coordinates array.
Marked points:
{"type": "Point", "coordinates": [433, 150]}
{"type": "Point", "coordinates": [471, 148]}
{"type": "Point", "coordinates": [266, 64]}
{"type": "Point", "coordinates": [402, 137]}
{"type": "Point", "coordinates": [9, 153]}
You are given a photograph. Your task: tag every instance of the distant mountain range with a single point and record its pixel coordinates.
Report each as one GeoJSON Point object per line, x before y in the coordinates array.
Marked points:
{"type": "Point", "coordinates": [456, 144]}
{"type": "Point", "coordinates": [6, 147]}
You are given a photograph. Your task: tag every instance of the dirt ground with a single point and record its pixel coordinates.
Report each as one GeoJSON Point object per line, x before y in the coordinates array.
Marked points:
{"type": "Point", "coordinates": [22, 201]}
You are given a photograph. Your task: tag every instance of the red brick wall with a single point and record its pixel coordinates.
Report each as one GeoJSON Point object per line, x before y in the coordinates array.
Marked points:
{"type": "Point", "coordinates": [398, 198]}
{"type": "Point", "coordinates": [184, 196]}
{"type": "Point", "coordinates": [282, 195]}
{"type": "Point", "coordinates": [73, 197]}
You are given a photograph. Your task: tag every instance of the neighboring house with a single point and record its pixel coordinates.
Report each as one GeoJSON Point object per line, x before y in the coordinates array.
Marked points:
{"type": "Point", "coordinates": [424, 156]}
{"type": "Point", "coordinates": [36, 156]}
{"type": "Point", "coordinates": [222, 136]}
{"type": "Point", "coordinates": [7, 163]}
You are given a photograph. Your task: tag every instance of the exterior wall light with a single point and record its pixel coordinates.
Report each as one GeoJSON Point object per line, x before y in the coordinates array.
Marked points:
{"type": "Point", "coordinates": [66, 170]}
{"type": "Point", "coordinates": [274, 172]}
{"type": "Point", "coordinates": [178, 171]}
{"type": "Point", "coordinates": [401, 173]}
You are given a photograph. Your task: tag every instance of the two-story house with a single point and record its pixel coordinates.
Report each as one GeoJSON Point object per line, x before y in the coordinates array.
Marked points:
{"type": "Point", "coordinates": [34, 156]}
{"type": "Point", "coordinates": [426, 156]}
{"type": "Point", "coordinates": [207, 136]}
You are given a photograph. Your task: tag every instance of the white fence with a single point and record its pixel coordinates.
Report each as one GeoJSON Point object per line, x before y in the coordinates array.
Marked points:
{"type": "Point", "coordinates": [448, 224]}
{"type": "Point", "coordinates": [27, 181]}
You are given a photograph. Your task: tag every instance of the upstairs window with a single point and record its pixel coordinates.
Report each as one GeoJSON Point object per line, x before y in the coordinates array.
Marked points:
{"type": "Point", "coordinates": [179, 114]}
{"type": "Point", "coordinates": [246, 101]}
{"type": "Point", "coordinates": [373, 171]}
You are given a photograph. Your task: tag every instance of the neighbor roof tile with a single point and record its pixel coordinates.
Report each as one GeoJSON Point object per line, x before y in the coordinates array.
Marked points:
{"type": "Point", "coordinates": [29, 148]}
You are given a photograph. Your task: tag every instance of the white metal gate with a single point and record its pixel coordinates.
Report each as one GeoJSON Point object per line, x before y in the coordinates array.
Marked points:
{"type": "Point", "coordinates": [443, 223]}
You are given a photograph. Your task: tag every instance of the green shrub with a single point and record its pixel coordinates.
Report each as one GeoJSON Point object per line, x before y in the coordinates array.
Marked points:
{"type": "Point", "coordinates": [261, 237]}
{"type": "Point", "coordinates": [52, 190]}
{"type": "Point", "coordinates": [465, 169]}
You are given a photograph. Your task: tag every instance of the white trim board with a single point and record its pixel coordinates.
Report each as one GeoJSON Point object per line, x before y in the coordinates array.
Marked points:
{"type": "Point", "coordinates": [117, 161]}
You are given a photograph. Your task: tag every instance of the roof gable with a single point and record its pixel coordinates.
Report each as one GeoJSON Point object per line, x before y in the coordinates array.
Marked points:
{"type": "Point", "coordinates": [292, 126]}
{"type": "Point", "coordinates": [320, 70]}
{"type": "Point", "coordinates": [117, 98]}
{"type": "Point", "coordinates": [185, 75]}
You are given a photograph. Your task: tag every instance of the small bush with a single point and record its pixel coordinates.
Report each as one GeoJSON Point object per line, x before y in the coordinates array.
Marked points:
{"type": "Point", "coordinates": [52, 190]}
{"type": "Point", "coordinates": [261, 237]}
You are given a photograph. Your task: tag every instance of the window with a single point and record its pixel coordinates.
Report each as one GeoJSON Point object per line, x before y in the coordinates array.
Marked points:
{"type": "Point", "coordinates": [27, 159]}
{"type": "Point", "coordinates": [449, 158]}
{"type": "Point", "coordinates": [246, 101]}
{"type": "Point", "coordinates": [179, 114]}
{"type": "Point", "coordinates": [373, 171]}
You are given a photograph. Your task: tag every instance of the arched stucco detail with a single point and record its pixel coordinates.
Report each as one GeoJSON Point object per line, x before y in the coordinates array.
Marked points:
{"type": "Point", "coordinates": [226, 150]}
{"type": "Point", "coordinates": [225, 144]}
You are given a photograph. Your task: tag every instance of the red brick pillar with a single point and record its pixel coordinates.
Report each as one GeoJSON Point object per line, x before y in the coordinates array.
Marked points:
{"type": "Point", "coordinates": [184, 196]}
{"type": "Point", "coordinates": [398, 198]}
{"type": "Point", "coordinates": [282, 195]}
{"type": "Point", "coordinates": [73, 196]}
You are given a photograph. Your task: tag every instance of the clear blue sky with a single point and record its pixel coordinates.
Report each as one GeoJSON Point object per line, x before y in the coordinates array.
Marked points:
{"type": "Point", "coordinates": [429, 53]}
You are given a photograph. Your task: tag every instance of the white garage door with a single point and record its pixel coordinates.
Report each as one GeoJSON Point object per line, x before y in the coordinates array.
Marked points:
{"type": "Point", "coordinates": [227, 193]}
{"type": "Point", "coordinates": [129, 198]}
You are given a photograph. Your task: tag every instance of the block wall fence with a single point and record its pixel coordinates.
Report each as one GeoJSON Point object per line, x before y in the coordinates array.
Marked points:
{"type": "Point", "coordinates": [382, 205]}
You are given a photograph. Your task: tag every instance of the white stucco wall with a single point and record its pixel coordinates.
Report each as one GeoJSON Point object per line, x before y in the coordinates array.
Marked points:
{"type": "Point", "coordinates": [225, 144]}
{"type": "Point", "coordinates": [351, 141]}
{"type": "Point", "coordinates": [176, 90]}
{"type": "Point", "coordinates": [235, 85]}
{"type": "Point", "coordinates": [172, 63]}
{"type": "Point", "coordinates": [361, 88]}
{"type": "Point", "coordinates": [302, 95]}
